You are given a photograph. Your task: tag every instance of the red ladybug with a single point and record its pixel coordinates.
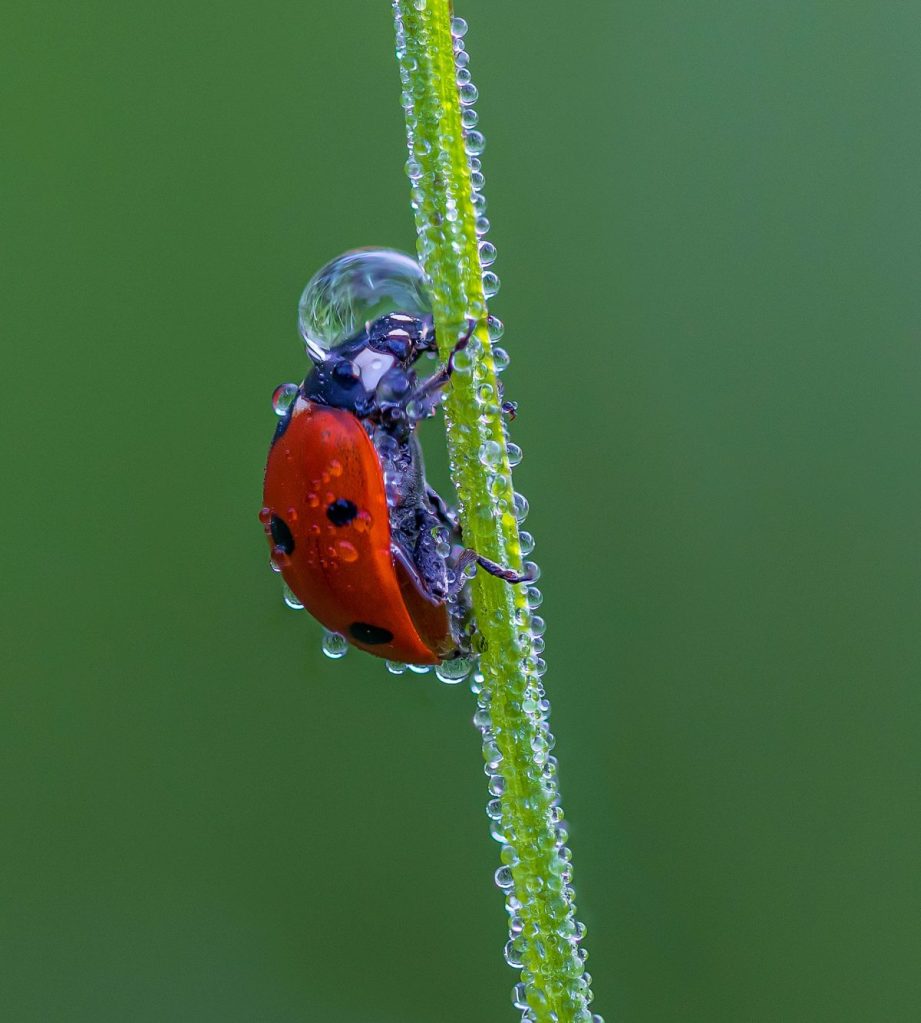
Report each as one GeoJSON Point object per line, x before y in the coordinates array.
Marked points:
{"type": "Point", "coordinates": [357, 533]}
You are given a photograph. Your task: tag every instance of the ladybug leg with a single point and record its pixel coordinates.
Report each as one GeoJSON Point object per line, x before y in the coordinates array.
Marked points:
{"type": "Point", "coordinates": [468, 557]}
{"type": "Point", "coordinates": [427, 395]}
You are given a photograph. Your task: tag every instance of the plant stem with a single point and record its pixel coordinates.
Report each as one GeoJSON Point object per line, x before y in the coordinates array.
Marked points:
{"type": "Point", "coordinates": [512, 714]}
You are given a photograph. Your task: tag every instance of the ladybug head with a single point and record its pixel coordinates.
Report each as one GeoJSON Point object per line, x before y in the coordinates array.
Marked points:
{"type": "Point", "coordinates": [353, 374]}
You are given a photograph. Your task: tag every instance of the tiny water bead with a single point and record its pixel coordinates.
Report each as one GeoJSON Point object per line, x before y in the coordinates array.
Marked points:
{"type": "Point", "coordinates": [291, 599]}
{"type": "Point", "coordinates": [356, 288]}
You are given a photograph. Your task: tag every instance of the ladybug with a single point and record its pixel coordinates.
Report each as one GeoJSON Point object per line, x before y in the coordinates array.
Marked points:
{"type": "Point", "coordinates": [354, 528]}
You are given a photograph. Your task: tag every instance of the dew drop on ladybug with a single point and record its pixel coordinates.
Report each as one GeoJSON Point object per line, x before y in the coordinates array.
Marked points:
{"type": "Point", "coordinates": [283, 397]}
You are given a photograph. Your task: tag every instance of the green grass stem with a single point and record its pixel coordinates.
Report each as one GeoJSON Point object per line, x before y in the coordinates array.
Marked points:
{"type": "Point", "coordinates": [512, 715]}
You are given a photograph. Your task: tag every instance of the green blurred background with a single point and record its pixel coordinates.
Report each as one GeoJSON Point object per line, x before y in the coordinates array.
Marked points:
{"type": "Point", "coordinates": [708, 224]}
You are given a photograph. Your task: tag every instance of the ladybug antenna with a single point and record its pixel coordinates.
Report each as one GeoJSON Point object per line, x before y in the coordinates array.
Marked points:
{"type": "Point", "coordinates": [316, 352]}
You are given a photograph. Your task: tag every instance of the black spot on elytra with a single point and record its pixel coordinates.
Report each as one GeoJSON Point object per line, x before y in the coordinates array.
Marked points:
{"type": "Point", "coordinates": [281, 535]}
{"type": "Point", "coordinates": [341, 511]}
{"type": "Point", "coordinates": [372, 635]}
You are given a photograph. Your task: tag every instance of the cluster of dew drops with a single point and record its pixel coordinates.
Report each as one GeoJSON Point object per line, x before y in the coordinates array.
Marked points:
{"type": "Point", "coordinates": [548, 843]}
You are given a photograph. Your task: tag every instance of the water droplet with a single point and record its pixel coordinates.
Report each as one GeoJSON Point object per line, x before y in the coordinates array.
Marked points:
{"type": "Point", "coordinates": [504, 878]}
{"type": "Point", "coordinates": [535, 597]}
{"type": "Point", "coordinates": [519, 998]}
{"type": "Point", "coordinates": [291, 598]}
{"type": "Point", "coordinates": [458, 28]}
{"type": "Point", "coordinates": [419, 669]}
{"type": "Point", "coordinates": [347, 551]}
{"type": "Point", "coordinates": [491, 453]}
{"type": "Point", "coordinates": [527, 542]}
{"type": "Point", "coordinates": [514, 453]}
{"type": "Point", "coordinates": [513, 952]}
{"type": "Point", "coordinates": [487, 253]}
{"type": "Point", "coordinates": [358, 287]}
{"type": "Point", "coordinates": [463, 360]}
{"type": "Point", "coordinates": [452, 672]}
{"type": "Point", "coordinates": [469, 118]}
{"type": "Point", "coordinates": [334, 645]}
{"type": "Point", "coordinates": [500, 358]}
{"type": "Point", "coordinates": [492, 755]}
{"type": "Point", "coordinates": [468, 94]}
{"type": "Point", "coordinates": [474, 141]}
{"type": "Point", "coordinates": [481, 719]}
{"type": "Point", "coordinates": [280, 558]}
{"type": "Point", "coordinates": [283, 397]}
{"type": "Point", "coordinates": [495, 328]}
{"type": "Point", "coordinates": [521, 507]}
{"type": "Point", "coordinates": [490, 284]}
{"type": "Point", "coordinates": [509, 855]}
{"type": "Point", "coordinates": [265, 515]}
{"type": "Point", "coordinates": [396, 667]}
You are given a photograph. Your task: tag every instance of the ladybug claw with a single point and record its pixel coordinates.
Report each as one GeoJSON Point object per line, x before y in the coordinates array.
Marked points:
{"type": "Point", "coordinates": [468, 557]}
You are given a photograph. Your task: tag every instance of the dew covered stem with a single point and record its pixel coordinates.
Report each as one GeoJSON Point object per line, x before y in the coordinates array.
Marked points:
{"type": "Point", "coordinates": [446, 181]}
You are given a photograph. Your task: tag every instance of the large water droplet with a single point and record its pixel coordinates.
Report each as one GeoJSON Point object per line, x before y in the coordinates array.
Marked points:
{"type": "Point", "coordinates": [356, 288]}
